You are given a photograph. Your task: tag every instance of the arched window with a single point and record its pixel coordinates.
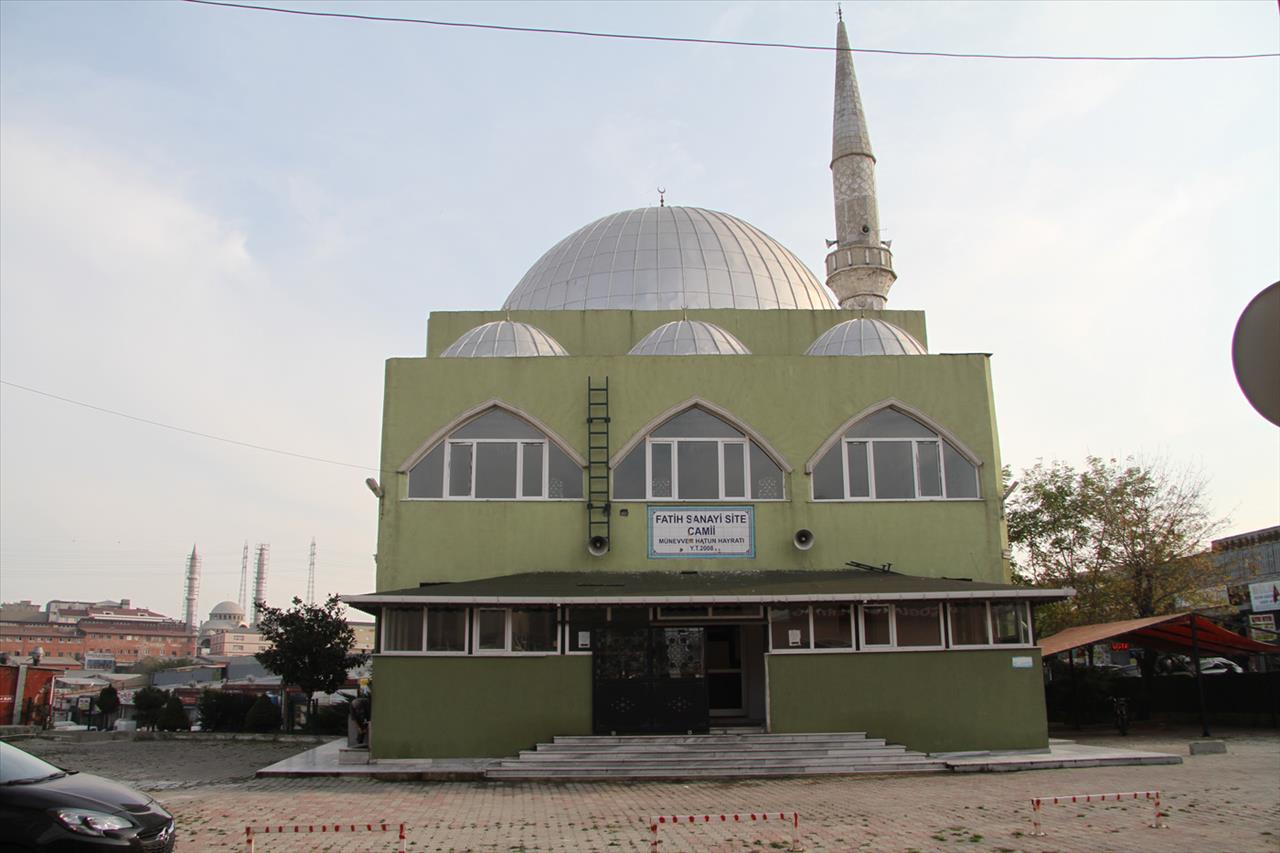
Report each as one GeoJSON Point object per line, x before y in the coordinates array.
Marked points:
{"type": "Point", "coordinates": [890, 455]}
{"type": "Point", "coordinates": [698, 456]}
{"type": "Point", "coordinates": [496, 456]}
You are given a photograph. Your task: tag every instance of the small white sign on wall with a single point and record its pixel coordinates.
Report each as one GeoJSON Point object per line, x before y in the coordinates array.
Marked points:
{"type": "Point", "coordinates": [793, 636]}
{"type": "Point", "coordinates": [1022, 661]}
{"type": "Point", "coordinates": [584, 639]}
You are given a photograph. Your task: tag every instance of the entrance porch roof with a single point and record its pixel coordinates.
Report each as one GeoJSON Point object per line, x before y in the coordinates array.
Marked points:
{"type": "Point", "coordinates": [710, 587]}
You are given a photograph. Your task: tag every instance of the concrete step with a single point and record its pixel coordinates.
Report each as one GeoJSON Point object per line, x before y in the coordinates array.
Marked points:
{"type": "Point", "coordinates": [735, 739]}
{"type": "Point", "coordinates": [540, 757]}
{"type": "Point", "coordinates": [643, 749]}
{"type": "Point", "coordinates": [581, 774]}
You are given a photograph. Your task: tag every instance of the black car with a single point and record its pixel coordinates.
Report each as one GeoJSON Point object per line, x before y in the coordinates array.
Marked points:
{"type": "Point", "coordinates": [44, 808]}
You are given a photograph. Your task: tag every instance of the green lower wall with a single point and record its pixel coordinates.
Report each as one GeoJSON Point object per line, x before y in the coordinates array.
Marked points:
{"type": "Point", "coordinates": [928, 701]}
{"type": "Point", "coordinates": [476, 707]}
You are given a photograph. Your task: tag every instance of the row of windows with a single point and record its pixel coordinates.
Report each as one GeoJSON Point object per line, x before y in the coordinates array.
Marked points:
{"type": "Point", "coordinates": [907, 625]}
{"type": "Point", "coordinates": [694, 456]}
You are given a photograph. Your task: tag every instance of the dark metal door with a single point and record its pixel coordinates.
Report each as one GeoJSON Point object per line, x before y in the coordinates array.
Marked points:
{"type": "Point", "coordinates": [648, 680]}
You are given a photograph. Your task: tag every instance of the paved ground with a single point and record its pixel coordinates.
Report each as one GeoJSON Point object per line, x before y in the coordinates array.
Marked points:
{"type": "Point", "coordinates": [1227, 803]}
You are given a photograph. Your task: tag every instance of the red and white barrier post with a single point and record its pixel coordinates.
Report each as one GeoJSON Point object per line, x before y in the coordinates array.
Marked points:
{"type": "Point", "coordinates": [303, 828]}
{"type": "Point", "coordinates": [1089, 798]}
{"type": "Point", "coordinates": [784, 817]}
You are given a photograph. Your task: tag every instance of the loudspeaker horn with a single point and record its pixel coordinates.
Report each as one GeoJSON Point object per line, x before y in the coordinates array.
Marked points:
{"type": "Point", "coordinates": [598, 546]}
{"type": "Point", "coordinates": [803, 540]}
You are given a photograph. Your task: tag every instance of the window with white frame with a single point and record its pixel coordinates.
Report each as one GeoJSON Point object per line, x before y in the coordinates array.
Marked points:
{"type": "Point", "coordinates": [429, 629]}
{"type": "Point", "coordinates": [820, 627]}
{"type": "Point", "coordinates": [516, 630]}
{"type": "Point", "coordinates": [892, 456]}
{"type": "Point", "coordinates": [496, 456]}
{"type": "Point", "coordinates": [697, 456]}
{"type": "Point", "coordinates": [989, 623]}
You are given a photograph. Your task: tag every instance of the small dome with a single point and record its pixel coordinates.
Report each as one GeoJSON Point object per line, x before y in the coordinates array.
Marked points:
{"type": "Point", "coordinates": [865, 337]}
{"type": "Point", "coordinates": [655, 258]}
{"type": "Point", "coordinates": [689, 337]}
{"type": "Point", "coordinates": [227, 608]}
{"type": "Point", "coordinates": [504, 339]}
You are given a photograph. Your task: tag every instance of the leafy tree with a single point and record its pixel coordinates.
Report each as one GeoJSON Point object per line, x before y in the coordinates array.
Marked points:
{"type": "Point", "coordinates": [262, 716]}
{"type": "Point", "coordinates": [1128, 537]}
{"type": "Point", "coordinates": [222, 711]}
{"type": "Point", "coordinates": [147, 703]}
{"type": "Point", "coordinates": [172, 716]}
{"type": "Point", "coordinates": [310, 645]}
{"type": "Point", "coordinates": [108, 704]}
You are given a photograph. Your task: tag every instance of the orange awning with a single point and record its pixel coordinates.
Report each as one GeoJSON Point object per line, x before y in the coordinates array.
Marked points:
{"type": "Point", "coordinates": [1166, 633]}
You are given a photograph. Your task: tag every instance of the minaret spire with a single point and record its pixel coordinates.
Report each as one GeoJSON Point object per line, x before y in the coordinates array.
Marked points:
{"type": "Point", "coordinates": [860, 267]}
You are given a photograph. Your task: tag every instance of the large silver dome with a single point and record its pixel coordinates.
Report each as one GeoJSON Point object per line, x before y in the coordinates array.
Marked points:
{"type": "Point", "coordinates": [503, 338]}
{"type": "Point", "coordinates": [689, 337]}
{"type": "Point", "coordinates": [866, 337]}
{"type": "Point", "coordinates": [653, 258]}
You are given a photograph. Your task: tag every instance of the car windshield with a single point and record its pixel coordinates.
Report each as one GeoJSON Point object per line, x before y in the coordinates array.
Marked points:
{"type": "Point", "coordinates": [18, 766]}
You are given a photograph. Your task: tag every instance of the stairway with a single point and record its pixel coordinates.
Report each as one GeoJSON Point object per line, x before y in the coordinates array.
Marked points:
{"type": "Point", "coordinates": [711, 756]}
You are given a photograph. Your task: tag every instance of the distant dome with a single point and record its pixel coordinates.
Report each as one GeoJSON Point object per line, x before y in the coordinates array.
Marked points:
{"type": "Point", "coordinates": [689, 337]}
{"type": "Point", "coordinates": [866, 337]}
{"type": "Point", "coordinates": [654, 258]}
{"type": "Point", "coordinates": [227, 608]}
{"type": "Point", "coordinates": [504, 338]}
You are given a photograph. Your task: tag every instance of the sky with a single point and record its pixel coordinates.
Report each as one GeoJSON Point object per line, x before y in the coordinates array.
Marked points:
{"type": "Point", "coordinates": [226, 220]}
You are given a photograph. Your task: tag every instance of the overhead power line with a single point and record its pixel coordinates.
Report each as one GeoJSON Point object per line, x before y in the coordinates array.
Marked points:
{"type": "Point", "coordinates": [221, 438]}
{"type": "Point", "coordinates": [388, 19]}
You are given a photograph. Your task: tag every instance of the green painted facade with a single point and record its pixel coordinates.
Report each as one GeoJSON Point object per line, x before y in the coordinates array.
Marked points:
{"type": "Point", "coordinates": [473, 707]}
{"type": "Point", "coordinates": [944, 701]}
{"type": "Point", "coordinates": [795, 402]}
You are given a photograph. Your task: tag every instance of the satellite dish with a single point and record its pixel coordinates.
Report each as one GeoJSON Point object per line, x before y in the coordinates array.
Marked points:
{"type": "Point", "coordinates": [1255, 352]}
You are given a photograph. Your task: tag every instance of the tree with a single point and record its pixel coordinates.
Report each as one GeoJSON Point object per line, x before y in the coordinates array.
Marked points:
{"type": "Point", "coordinates": [1128, 537]}
{"type": "Point", "coordinates": [262, 716]}
{"type": "Point", "coordinates": [108, 704]}
{"type": "Point", "coordinates": [172, 716]}
{"type": "Point", "coordinates": [310, 646]}
{"type": "Point", "coordinates": [147, 702]}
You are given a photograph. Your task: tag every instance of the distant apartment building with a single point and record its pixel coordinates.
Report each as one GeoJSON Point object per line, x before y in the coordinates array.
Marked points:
{"type": "Point", "coordinates": [236, 643]}
{"type": "Point", "coordinates": [103, 631]}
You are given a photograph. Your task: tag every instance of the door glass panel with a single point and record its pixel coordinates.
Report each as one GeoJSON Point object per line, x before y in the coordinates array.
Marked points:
{"type": "Point", "coordinates": [698, 465]}
{"type": "Point", "coordinates": [680, 653]}
{"type": "Point", "coordinates": [930, 469]}
{"type": "Point", "coordinates": [875, 625]}
{"type": "Point", "coordinates": [832, 627]}
{"type": "Point", "coordinates": [460, 470]}
{"type": "Point", "coordinates": [859, 485]}
{"type": "Point", "coordinates": [531, 474]}
{"type": "Point", "coordinates": [735, 475]}
{"type": "Point", "coordinates": [492, 630]}
{"type": "Point", "coordinates": [895, 477]}
{"type": "Point", "coordinates": [660, 470]}
{"type": "Point", "coordinates": [496, 470]}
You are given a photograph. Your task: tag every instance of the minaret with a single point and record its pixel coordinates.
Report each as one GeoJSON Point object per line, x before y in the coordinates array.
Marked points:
{"type": "Point", "coordinates": [860, 267]}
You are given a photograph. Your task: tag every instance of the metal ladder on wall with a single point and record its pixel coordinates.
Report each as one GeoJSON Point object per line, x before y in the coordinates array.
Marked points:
{"type": "Point", "coordinates": [598, 508]}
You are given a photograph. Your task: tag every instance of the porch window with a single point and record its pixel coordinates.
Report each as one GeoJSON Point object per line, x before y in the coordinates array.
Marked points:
{"type": "Point", "coordinates": [969, 623]}
{"type": "Point", "coordinates": [580, 621]}
{"type": "Point", "coordinates": [517, 630]}
{"type": "Point", "coordinates": [877, 625]}
{"type": "Point", "coordinates": [402, 629]}
{"type": "Point", "coordinates": [832, 627]}
{"type": "Point", "coordinates": [919, 624]}
{"type": "Point", "coordinates": [446, 629]}
{"type": "Point", "coordinates": [1010, 623]}
{"type": "Point", "coordinates": [788, 628]}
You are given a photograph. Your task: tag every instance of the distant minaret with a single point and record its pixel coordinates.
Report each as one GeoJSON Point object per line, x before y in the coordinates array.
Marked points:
{"type": "Point", "coordinates": [260, 582]}
{"type": "Point", "coordinates": [311, 574]}
{"type": "Point", "coordinates": [860, 267]}
{"type": "Point", "coordinates": [243, 601]}
{"type": "Point", "coordinates": [191, 602]}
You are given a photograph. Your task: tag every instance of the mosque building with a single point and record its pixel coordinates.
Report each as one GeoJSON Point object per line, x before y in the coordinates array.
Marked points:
{"type": "Point", "coordinates": [673, 485]}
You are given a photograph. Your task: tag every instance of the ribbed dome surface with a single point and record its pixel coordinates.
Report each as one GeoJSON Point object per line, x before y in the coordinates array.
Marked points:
{"type": "Point", "coordinates": [503, 339]}
{"type": "Point", "coordinates": [227, 608]}
{"type": "Point", "coordinates": [653, 258]}
{"type": "Point", "coordinates": [865, 337]}
{"type": "Point", "coordinates": [689, 337]}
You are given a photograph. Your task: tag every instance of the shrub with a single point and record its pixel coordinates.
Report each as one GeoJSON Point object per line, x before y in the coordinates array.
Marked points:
{"type": "Point", "coordinates": [222, 711]}
{"type": "Point", "coordinates": [147, 703]}
{"type": "Point", "coordinates": [263, 716]}
{"type": "Point", "coordinates": [172, 716]}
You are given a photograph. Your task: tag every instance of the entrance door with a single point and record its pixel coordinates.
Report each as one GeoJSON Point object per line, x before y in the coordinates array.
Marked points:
{"type": "Point", "coordinates": [725, 694]}
{"type": "Point", "coordinates": [648, 680]}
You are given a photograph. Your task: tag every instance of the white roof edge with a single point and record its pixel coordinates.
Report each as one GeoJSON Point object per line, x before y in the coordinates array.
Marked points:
{"type": "Point", "coordinates": [959, 595]}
